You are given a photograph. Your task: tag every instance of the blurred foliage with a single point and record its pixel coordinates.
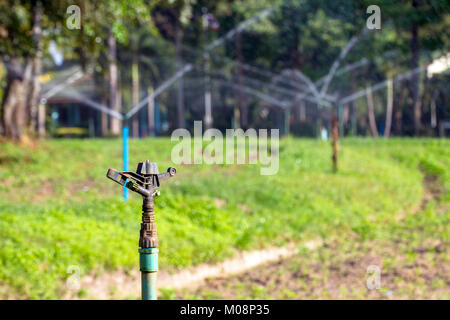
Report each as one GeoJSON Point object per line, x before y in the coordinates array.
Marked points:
{"type": "Point", "coordinates": [303, 35]}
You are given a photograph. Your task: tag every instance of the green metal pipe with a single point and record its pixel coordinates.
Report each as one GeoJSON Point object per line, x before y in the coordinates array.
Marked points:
{"type": "Point", "coordinates": [148, 261]}
{"type": "Point", "coordinates": [148, 283]}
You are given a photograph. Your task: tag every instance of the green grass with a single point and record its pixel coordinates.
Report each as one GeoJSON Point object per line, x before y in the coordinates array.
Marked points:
{"type": "Point", "coordinates": [58, 209]}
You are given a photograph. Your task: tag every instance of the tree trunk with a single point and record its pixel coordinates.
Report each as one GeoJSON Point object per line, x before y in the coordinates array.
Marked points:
{"type": "Point", "coordinates": [11, 98]}
{"type": "Point", "coordinates": [14, 99]}
{"type": "Point", "coordinates": [400, 97]}
{"type": "Point", "coordinates": [135, 93]}
{"type": "Point", "coordinates": [302, 111]}
{"type": "Point", "coordinates": [335, 137]}
{"type": "Point", "coordinates": [354, 118]}
{"type": "Point", "coordinates": [371, 113]}
{"type": "Point", "coordinates": [287, 120]}
{"type": "Point", "coordinates": [100, 79]}
{"type": "Point", "coordinates": [353, 106]}
{"type": "Point", "coordinates": [433, 113]}
{"type": "Point", "coordinates": [346, 114]}
{"type": "Point", "coordinates": [151, 113]}
{"type": "Point", "coordinates": [241, 99]}
{"type": "Point", "coordinates": [32, 103]}
{"type": "Point", "coordinates": [236, 118]}
{"type": "Point", "coordinates": [135, 125]}
{"type": "Point", "coordinates": [113, 82]}
{"type": "Point", "coordinates": [41, 120]}
{"type": "Point", "coordinates": [179, 64]}
{"type": "Point", "coordinates": [415, 79]}
{"type": "Point", "coordinates": [104, 118]}
{"type": "Point", "coordinates": [390, 104]}
{"type": "Point", "coordinates": [19, 103]}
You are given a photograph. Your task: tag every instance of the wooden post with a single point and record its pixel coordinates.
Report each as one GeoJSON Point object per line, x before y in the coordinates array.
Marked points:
{"type": "Point", "coordinates": [335, 137]}
{"type": "Point", "coordinates": [41, 120]}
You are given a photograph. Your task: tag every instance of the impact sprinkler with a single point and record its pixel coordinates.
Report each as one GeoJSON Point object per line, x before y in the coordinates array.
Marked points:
{"type": "Point", "coordinates": [145, 181]}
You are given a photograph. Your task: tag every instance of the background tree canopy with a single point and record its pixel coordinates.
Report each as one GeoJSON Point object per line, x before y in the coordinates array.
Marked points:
{"type": "Point", "coordinates": [264, 54]}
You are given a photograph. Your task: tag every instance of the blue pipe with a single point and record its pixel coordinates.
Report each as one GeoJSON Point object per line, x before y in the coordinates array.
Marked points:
{"type": "Point", "coordinates": [125, 157]}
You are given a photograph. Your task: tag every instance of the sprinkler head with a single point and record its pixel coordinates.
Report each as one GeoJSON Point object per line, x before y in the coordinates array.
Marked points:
{"type": "Point", "coordinates": [147, 167]}
{"type": "Point", "coordinates": [145, 180]}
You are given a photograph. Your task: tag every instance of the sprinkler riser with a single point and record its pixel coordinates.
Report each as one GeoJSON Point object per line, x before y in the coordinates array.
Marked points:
{"type": "Point", "coordinates": [148, 237]}
{"type": "Point", "coordinates": [145, 181]}
{"type": "Point", "coordinates": [148, 262]}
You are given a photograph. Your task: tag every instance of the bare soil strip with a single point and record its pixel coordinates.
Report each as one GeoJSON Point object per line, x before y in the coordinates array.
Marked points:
{"type": "Point", "coordinates": [122, 284]}
{"type": "Point", "coordinates": [337, 271]}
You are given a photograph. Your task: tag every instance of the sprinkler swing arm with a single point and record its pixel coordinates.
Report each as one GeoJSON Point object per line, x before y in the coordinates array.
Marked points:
{"type": "Point", "coordinates": [144, 184]}
{"type": "Point", "coordinates": [145, 181]}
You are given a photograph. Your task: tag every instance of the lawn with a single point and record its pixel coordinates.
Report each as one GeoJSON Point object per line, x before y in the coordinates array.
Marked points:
{"type": "Point", "coordinates": [57, 208]}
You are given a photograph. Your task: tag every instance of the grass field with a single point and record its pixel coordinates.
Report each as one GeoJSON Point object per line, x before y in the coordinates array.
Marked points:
{"type": "Point", "coordinates": [57, 209]}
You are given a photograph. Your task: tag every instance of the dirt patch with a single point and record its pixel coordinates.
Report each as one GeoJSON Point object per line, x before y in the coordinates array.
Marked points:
{"type": "Point", "coordinates": [46, 190]}
{"type": "Point", "coordinates": [335, 272]}
{"type": "Point", "coordinates": [433, 189]}
{"type": "Point", "coordinates": [220, 203]}
{"type": "Point", "coordinates": [126, 284]}
{"type": "Point", "coordinates": [107, 285]}
{"type": "Point", "coordinates": [245, 208]}
{"type": "Point", "coordinates": [82, 186]}
{"type": "Point", "coordinates": [7, 182]}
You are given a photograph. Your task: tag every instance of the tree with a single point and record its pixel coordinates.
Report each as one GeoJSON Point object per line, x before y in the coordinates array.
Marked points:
{"type": "Point", "coordinates": [21, 44]}
{"type": "Point", "coordinates": [22, 40]}
{"type": "Point", "coordinates": [171, 17]}
{"type": "Point", "coordinates": [113, 20]}
{"type": "Point", "coordinates": [371, 113]}
{"type": "Point", "coordinates": [416, 20]}
{"type": "Point", "coordinates": [139, 58]}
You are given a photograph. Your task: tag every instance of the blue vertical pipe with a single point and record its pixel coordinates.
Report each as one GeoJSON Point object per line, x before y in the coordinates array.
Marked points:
{"type": "Point", "coordinates": [125, 157]}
